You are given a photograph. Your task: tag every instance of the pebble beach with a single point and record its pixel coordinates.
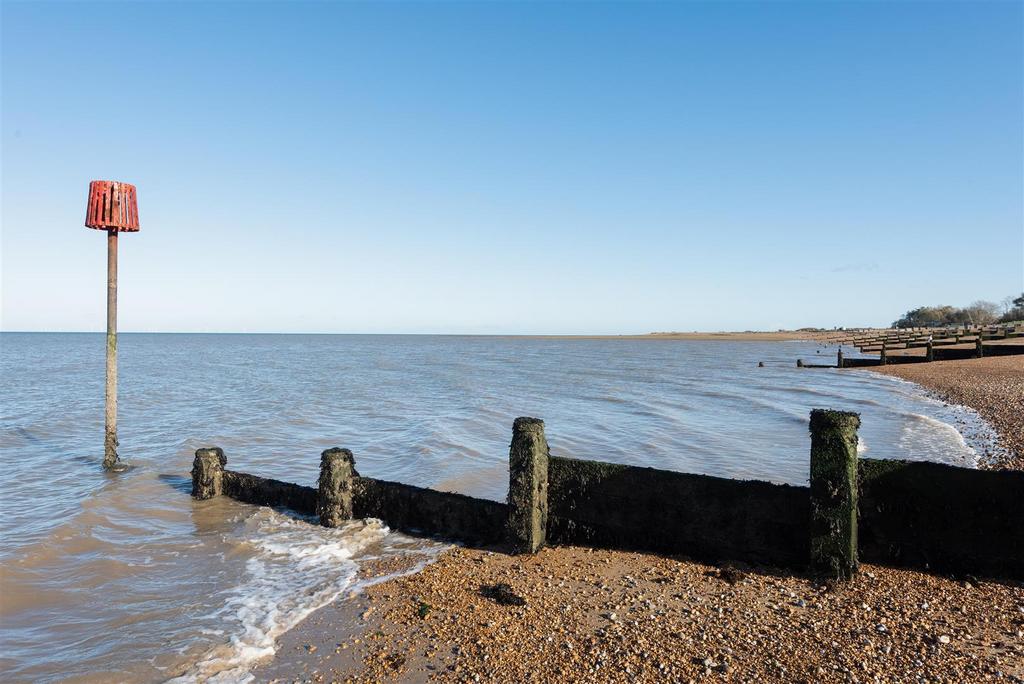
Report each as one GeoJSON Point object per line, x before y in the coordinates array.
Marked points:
{"type": "Point", "coordinates": [593, 615]}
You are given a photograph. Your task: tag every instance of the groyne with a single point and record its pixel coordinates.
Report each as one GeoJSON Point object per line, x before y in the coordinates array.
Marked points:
{"type": "Point", "coordinates": [923, 345]}
{"type": "Point", "coordinates": [914, 514]}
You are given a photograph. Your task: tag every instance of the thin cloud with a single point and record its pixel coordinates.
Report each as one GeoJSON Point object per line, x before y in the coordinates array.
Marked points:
{"type": "Point", "coordinates": [860, 267]}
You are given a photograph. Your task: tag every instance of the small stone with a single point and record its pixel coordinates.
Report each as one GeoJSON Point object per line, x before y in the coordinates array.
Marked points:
{"type": "Point", "coordinates": [944, 639]}
{"type": "Point", "coordinates": [502, 594]}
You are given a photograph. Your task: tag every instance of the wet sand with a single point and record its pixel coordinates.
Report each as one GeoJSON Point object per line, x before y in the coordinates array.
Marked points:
{"type": "Point", "coordinates": [994, 387]}
{"type": "Point", "coordinates": [593, 615]}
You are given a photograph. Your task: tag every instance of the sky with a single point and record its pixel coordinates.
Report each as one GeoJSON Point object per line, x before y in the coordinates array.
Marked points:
{"type": "Point", "coordinates": [512, 167]}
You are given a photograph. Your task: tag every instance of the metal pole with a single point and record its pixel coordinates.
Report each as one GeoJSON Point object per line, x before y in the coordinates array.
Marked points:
{"type": "Point", "coordinates": [110, 440]}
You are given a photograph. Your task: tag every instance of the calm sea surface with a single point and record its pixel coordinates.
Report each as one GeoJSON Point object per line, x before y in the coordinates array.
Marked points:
{"type": "Point", "coordinates": [124, 577]}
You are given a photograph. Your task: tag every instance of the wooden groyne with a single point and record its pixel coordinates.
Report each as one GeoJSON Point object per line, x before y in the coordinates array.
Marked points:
{"type": "Point", "coordinates": [923, 515]}
{"type": "Point", "coordinates": [923, 345]}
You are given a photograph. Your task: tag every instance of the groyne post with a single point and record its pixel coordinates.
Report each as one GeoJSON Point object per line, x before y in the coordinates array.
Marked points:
{"type": "Point", "coordinates": [839, 358]}
{"type": "Point", "coordinates": [929, 351]}
{"type": "Point", "coordinates": [834, 493]}
{"type": "Point", "coordinates": [528, 485]}
{"type": "Point", "coordinates": [334, 489]}
{"type": "Point", "coordinates": [208, 473]}
{"type": "Point", "coordinates": [882, 359]}
{"type": "Point", "coordinates": [979, 350]}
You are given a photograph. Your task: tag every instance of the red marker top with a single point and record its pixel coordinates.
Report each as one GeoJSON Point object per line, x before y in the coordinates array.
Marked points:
{"type": "Point", "coordinates": [112, 206]}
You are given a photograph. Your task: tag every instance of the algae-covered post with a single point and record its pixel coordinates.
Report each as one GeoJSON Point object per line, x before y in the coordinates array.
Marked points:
{"type": "Point", "coordinates": [834, 492]}
{"type": "Point", "coordinates": [334, 491]}
{"type": "Point", "coordinates": [112, 207]}
{"type": "Point", "coordinates": [208, 473]}
{"type": "Point", "coordinates": [528, 485]}
{"type": "Point", "coordinates": [979, 349]}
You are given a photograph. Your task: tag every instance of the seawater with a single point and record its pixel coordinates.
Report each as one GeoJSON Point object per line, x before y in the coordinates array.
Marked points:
{"type": "Point", "coordinates": [124, 578]}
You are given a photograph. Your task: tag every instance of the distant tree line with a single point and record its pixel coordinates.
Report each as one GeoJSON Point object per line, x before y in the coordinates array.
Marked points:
{"type": "Point", "coordinates": [979, 313]}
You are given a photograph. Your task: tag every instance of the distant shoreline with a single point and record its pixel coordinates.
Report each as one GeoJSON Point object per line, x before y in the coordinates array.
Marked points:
{"type": "Point", "coordinates": [749, 335]}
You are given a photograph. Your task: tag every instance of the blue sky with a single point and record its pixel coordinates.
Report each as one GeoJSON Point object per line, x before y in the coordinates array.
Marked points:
{"type": "Point", "coordinates": [512, 168]}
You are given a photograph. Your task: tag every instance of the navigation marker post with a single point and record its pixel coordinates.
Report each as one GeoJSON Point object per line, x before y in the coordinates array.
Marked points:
{"type": "Point", "coordinates": [112, 207]}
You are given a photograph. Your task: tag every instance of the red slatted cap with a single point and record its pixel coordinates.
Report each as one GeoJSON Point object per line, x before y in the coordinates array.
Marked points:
{"type": "Point", "coordinates": [112, 206]}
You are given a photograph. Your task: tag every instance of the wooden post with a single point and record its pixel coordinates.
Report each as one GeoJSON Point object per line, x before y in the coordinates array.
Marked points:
{"type": "Point", "coordinates": [528, 485]}
{"type": "Point", "coordinates": [979, 348]}
{"type": "Point", "coordinates": [110, 396]}
{"type": "Point", "coordinates": [834, 493]}
{"type": "Point", "coordinates": [334, 489]}
{"type": "Point", "coordinates": [208, 473]}
{"type": "Point", "coordinates": [929, 353]}
{"type": "Point", "coordinates": [839, 358]}
{"type": "Point", "coordinates": [882, 359]}
{"type": "Point", "coordinates": [112, 207]}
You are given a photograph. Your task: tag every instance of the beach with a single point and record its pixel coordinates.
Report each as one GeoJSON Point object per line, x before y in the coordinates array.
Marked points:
{"type": "Point", "coordinates": [994, 387]}
{"type": "Point", "coordinates": [596, 615]}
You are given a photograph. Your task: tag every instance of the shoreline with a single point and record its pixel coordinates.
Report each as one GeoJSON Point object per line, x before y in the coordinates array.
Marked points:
{"type": "Point", "coordinates": [991, 386]}
{"type": "Point", "coordinates": [705, 336]}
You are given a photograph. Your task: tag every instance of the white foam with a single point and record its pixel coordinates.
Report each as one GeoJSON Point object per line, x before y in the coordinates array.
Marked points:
{"type": "Point", "coordinates": [928, 438]}
{"type": "Point", "coordinates": [941, 441]}
{"type": "Point", "coordinates": [296, 569]}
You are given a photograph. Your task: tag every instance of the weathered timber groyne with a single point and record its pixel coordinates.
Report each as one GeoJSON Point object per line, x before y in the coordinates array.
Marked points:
{"type": "Point", "coordinates": [923, 345]}
{"type": "Point", "coordinates": [915, 514]}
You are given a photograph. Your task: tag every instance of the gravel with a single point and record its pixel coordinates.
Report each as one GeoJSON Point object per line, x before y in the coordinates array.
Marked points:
{"type": "Point", "coordinates": [677, 621]}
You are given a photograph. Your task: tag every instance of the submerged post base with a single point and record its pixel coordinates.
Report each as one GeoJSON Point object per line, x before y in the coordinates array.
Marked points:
{"type": "Point", "coordinates": [110, 457]}
{"type": "Point", "coordinates": [208, 473]}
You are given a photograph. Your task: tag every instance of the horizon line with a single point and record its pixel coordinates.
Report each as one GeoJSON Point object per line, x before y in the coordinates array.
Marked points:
{"type": "Point", "coordinates": [447, 334]}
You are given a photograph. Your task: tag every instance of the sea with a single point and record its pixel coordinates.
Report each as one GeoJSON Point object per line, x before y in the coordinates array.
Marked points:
{"type": "Point", "coordinates": [123, 577]}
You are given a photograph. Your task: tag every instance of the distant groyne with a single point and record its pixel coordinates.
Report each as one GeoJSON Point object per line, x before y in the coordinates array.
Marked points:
{"type": "Point", "coordinates": [923, 345]}
{"type": "Point", "coordinates": [914, 514]}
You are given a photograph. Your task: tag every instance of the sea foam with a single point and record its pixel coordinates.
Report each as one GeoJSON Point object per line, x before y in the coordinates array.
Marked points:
{"type": "Point", "coordinates": [295, 568]}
